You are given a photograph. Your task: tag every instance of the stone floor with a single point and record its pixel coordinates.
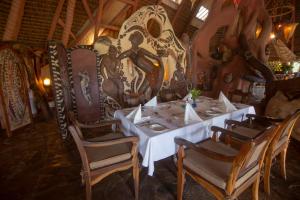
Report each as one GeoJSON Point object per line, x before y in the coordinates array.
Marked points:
{"type": "Point", "coordinates": [35, 163]}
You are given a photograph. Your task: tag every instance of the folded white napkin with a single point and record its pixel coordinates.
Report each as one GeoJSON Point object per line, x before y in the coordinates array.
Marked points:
{"type": "Point", "coordinates": [136, 114]}
{"type": "Point", "coordinates": [188, 97]}
{"type": "Point", "coordinates": [190, 115]}
{"type": "Point", "coordinates": [152, 102]}
{"type": "Point", "coordinates": [229, 107]}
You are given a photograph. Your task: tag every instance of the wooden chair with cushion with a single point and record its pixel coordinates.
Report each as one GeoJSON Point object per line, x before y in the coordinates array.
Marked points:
{"type": "Point", "coordinates": [224, 171]}
{"type": "Point", "coordinates": [102, 156]}
{"type": "Point", "coordinates": [279, 143]}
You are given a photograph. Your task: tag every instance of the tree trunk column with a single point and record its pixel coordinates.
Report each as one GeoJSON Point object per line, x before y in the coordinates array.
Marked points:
{"type": "Point", "coordinates": [68, 22]}
{"type": "Point", "coordinates": [14, 20]}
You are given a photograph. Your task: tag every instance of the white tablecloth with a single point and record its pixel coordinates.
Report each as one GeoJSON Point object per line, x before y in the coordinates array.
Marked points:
{"type": "Point", "coordinates": [157, 145]}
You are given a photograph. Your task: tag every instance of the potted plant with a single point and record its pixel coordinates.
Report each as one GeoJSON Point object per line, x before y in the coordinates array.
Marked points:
{"type": "Point", "coordinates": [195, 94]}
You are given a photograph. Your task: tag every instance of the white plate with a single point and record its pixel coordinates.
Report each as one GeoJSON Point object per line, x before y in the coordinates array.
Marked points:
{"type": "Point", "coordinates": [156, 127]}
{"type": "Point", "coordinates": [210, 112]}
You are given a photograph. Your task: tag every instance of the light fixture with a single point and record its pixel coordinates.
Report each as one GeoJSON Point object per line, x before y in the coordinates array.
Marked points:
{"type": "Point", "coordinates": [47, 82]}
{"type": "Point", "coordinates": [258, 31]}
{"type": "Point", "coordinates": [288, 30]}
{"type": "Point", "coordinates": [272, 36]}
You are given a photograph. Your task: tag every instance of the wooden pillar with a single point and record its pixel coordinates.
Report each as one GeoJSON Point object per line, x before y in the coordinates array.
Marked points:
{"type": "Point", "coordinates": [68, 22]}
{"type": "Point", "coordinates": [14, 20]}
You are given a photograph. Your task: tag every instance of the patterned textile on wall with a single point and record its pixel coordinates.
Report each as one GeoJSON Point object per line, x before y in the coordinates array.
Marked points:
{"type": "Point", "coordinates": [15, 109]}
{"type": "Point", "coordinates": [145, 60]}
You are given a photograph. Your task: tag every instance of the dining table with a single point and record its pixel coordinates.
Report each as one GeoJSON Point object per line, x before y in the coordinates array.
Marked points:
{"type": "Point", "coordinates": [160, 124]}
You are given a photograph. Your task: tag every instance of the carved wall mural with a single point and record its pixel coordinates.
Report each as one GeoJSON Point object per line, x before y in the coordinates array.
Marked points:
{"type": "Point", "coordinates": [141, 62]}
{"type": "Point", "coordinates": [146, 59]}
{"type": "Point", "coordinates": [238, 51]}
{"type": "Point", "coordinates": [15, 107]}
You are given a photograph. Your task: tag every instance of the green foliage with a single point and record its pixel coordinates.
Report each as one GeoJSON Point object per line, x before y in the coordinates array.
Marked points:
{"type": "Point", "coordinates": [286, 68]}
{"type": "Point", "coordinates": [277, 66]}
{"type": "Point", "coordinates": [195, 93]}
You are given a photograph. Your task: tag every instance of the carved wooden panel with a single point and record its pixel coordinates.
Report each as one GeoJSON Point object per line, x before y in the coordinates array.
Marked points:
{"type": "Point", "coordinates": [144, 60]}
{"type": "Point", "coordinates": [85, 92]}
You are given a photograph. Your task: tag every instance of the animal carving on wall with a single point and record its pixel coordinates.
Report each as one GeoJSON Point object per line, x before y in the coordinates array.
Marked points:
{"type": "Point", "coordinates": [143, 64]}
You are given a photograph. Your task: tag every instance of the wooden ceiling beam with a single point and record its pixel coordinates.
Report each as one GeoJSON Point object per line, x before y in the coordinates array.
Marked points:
{"type": "Point", "coordinates": [88, 10]}
{"type": "Point", "coordinates": [62, 24]}
{"type": "Point", "coordinates": [14, 20]}
{"type": "Point", "coordinates": [130, 2]}
{"type": "Point", "coordinates": [111, 27]}
{"type": "Point", "coordinates": [121, 14]}
{"type": "Point", "coordinates": [108, 5]}
{"type": "Point", "coordinates": [98, 18]}
{"type": "Point", "coordinates": [69, 21]}
{"type": "Point", "coordinates": [55, 19]}
{"type": "Point", "coordinates": [179, 9]}
{"type": "Point", "coordinates": [194, 12]}
{"type": "Point", "coordinates": [84, 32]}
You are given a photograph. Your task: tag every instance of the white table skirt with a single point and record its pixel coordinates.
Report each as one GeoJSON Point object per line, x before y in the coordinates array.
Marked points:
{"type": "Point", "coordinates": [156, 146]}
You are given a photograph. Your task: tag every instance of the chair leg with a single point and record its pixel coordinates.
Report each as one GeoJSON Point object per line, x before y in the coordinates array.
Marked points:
{"type": "Point", "coordinates": [136, 175]}
{"type": "Point", "coordinates": [255, 189]}
{"type": "Point", "coordinates": [180, 173]}
{"type": "Point", "coordinates": [282, 163]}
{"type": "Point", "coordinates": [88, 189]}
{"type": "Point", "coordinates": [267, 174]}
{"type": "Point", "coordinates": [180, 185]}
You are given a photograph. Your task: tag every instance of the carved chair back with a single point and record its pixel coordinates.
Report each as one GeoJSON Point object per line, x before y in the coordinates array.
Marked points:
{"type": "Point", "coordinates": [284, 132]}
{"type": "Point", "coordinates": [84, 72]}
{"type": "Point", "coordinates": [76, 82]}
{"type": "Point", "coordinates": [251, 155]}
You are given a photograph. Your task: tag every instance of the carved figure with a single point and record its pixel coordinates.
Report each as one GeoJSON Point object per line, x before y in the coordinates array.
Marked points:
{"type": "Point", "coordinates": [84, 84]}
{"type": "Point", "coordinates": [178, 81]}
{"type": "Point", "coordinates": [140, 57]}
{"type": "Point", "coordinates": [113, 82]}
{"type": "Point", "coordinates": [186, 42]}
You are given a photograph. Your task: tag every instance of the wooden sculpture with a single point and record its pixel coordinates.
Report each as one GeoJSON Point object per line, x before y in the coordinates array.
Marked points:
{"type": "Point", "coordinates": [238, 53]}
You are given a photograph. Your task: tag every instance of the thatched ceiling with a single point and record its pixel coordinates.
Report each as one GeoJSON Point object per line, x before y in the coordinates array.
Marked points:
{"type": "Point", "coordinates": [38, 15]}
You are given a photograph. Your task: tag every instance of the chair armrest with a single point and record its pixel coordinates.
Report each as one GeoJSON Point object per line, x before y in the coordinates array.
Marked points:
{"type": "Point", "coordinates": [101, 124]}
{"type": "Point", "coordinates": [263, 118]}
{"type": "Point", "coordinates": [203, 151]}
{"type": "Point", "coordinates": [229, 133]}
{"type": "Point", "coordinates": [230, 122]}
{"type": "Point", "coordinates": [131, 139]}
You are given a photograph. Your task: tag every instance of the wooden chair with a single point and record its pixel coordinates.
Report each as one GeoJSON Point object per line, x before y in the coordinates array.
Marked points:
{"type": "Point", "coordinates": [238, 96]}
{"type": "Point", "coordinates": [279, 143]}
{"type": "Point", "coordinates": [224, 171]}
{"type": "Point", "coordinates": [105, 155]}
